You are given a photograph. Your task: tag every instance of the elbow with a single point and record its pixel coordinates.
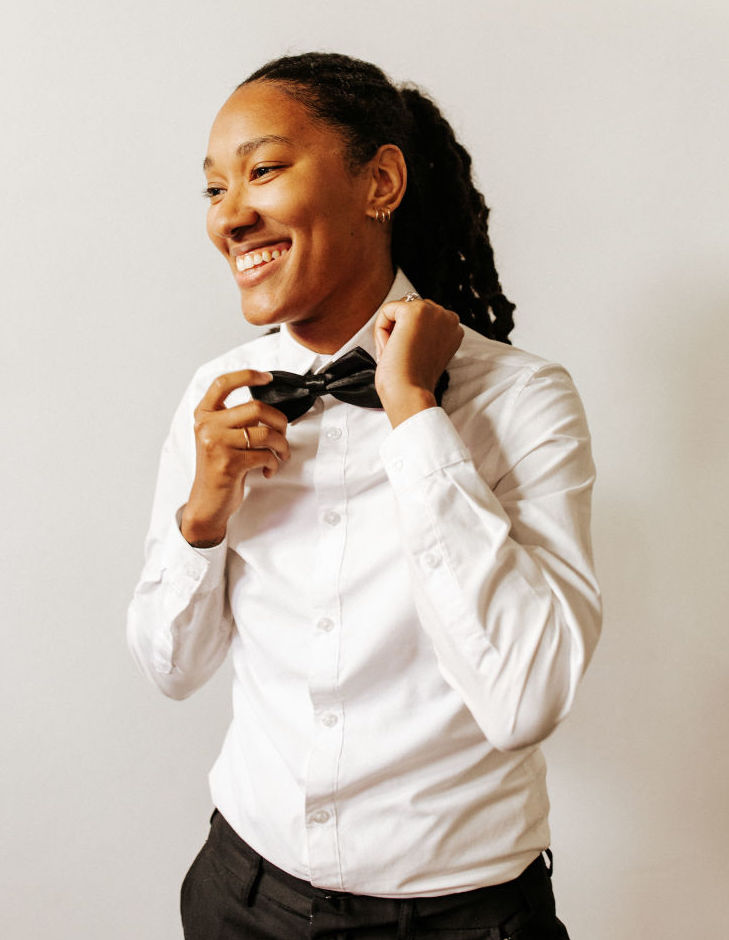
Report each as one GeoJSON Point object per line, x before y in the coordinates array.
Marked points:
{"type": "Point", "coordinates": [532, 709]}
{"type": "Point", "coordinates": [527, 719]}
{"type": "Point", "coordinates": [173, 685]}
{"type": "Point", "coordinates": [521, 736]}
{"type": "Point", "coordinates": [171, 681]}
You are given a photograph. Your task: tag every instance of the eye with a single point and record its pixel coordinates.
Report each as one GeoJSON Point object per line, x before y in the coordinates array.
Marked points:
{"type": "Point", "coordinates": [258, 172]}
{"type": "Point", "coordinates": [213, 193]}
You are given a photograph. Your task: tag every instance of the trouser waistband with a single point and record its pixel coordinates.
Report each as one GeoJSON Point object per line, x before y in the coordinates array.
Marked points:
{"type": "Point", "coordinates": [256, 874]}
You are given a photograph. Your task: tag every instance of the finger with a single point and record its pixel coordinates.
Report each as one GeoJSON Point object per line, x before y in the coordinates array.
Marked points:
{"type": "Point", "coordinates": [265, 459]}
{"type": "Point", "coordinates": [388, 313]}
{"type": "Point", "coordinates": [221, 387]}
{"type": "Point", "coordinates": [394, 308]}
{"type": "Point", "coordinates": [388, 317]}
{"type": "Point", "coordinates": [382, 329]}
{"type": "Point", "coordinates": [241, 460]}
{"type": "Point", "coordinates": [254, 412]}
{"type": "Point", "coordinates": [258, 438]}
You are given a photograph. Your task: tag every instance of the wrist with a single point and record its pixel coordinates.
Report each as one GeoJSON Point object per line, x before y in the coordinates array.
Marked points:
{"type": "Point", "coordinates": [405, 403]}
{"type": "Point", "coordinates": [200, 532]}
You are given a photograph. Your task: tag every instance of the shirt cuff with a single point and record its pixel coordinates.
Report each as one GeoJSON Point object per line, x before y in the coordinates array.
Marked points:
{"type": "Point", "coordinates": [423, 444]}
{"type": "Point", "coordinates": [192, 569]}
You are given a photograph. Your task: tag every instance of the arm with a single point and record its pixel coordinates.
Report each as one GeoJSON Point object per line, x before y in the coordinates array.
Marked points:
{"type": "Point", "coordinates": [502, 574]}
{"type": "Point", "coordinates": [502, 577]}
{"type": "Point", "coordinates": [179, 624]}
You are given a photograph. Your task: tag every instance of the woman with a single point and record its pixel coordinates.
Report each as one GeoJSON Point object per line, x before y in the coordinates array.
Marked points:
{"type": "Point", "coordinates": [395, 547]}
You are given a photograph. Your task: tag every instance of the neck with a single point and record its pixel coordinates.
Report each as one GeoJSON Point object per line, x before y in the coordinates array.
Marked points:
{"type": "Point", "coordinates": [348, 312]}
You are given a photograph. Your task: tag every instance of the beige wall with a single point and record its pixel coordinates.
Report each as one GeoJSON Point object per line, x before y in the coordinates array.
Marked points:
{"type": "Point", "coordinates": [600, 137]}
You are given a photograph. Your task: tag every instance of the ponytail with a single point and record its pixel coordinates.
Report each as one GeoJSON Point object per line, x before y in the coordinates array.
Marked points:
{"type": "Point", "coordinates": [440, 235]}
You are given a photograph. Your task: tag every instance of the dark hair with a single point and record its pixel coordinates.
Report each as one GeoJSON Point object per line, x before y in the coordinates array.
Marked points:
{"type": "Point", "coordinates": [440, 230]}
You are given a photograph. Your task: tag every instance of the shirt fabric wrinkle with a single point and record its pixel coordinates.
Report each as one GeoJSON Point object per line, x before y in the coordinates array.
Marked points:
{"type": "Point", "coordinates": [401, 639]}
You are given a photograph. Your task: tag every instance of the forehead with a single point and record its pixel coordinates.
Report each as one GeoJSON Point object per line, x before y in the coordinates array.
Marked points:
{"type": "Point", "coordinates": [261, 110]}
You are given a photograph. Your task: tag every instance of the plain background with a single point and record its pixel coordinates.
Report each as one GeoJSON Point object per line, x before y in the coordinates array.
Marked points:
{"type": "Point", "coordinates": [600, 137]}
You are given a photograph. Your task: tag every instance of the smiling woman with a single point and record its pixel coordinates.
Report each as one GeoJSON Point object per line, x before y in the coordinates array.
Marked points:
{"type": "Point", "coordinates": [406, 587]}
{"type": "Point", "coordinates": [279, 182]}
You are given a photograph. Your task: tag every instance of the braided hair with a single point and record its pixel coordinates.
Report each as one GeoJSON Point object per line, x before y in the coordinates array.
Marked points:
{"type": "Point", "coordinates": [440, 230]}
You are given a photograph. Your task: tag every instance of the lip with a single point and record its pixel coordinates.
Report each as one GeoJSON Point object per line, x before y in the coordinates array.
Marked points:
{"type": "Point", "coordinates": [253, 276]}
{"type": "Point", "coordinates": [246, 248]}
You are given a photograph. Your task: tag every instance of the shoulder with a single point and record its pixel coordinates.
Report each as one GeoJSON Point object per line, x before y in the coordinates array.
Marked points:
{"type": "Point", "coordinates": [486, 368]}
{"type": "Point", "coordinates": [478, 352]}
{"type": "Point", "coordinates": [501, 393]}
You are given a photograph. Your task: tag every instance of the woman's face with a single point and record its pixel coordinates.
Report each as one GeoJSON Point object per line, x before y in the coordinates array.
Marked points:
{"type": "Point", "coordinates": [285, 210]}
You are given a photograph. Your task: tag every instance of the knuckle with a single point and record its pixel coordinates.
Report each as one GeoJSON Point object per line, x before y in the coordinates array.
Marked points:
{"type": "Point", "coordinates": [207, 442]}
{"type": "Point", "coordinates": [226, 464]}
{"type": "Point", "coordinates": [219, 386]}
{"type": "Point", "coordinates": [202, 422]}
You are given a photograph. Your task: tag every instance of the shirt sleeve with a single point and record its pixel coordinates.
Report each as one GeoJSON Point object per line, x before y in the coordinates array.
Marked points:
{"type": "Point", "coordinates": [503, 574]}
{"type": "Point", "coordinates": [179, 623]}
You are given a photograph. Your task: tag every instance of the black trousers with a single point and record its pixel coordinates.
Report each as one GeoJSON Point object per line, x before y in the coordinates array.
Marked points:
{"type": "Point", "coordinates": [230, 892]}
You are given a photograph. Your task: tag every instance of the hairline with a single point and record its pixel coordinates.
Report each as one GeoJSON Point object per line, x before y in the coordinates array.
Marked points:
{"type": "Point", "coordinates": [307, 98]}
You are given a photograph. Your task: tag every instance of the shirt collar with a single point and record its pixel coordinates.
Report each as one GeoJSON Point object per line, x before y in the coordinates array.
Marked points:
{"type": "Point", "coordinates": [293, 357]}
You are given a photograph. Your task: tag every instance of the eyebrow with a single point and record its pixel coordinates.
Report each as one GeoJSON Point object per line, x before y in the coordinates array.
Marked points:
{"type": "Point", "coordinates": [250, 145]}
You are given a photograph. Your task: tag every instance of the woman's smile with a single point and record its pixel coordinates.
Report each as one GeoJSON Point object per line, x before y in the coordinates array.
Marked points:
{"type": "Point", "coordinates": [255, 258]}
{"type": "Point", "coordinates": [291, 217]}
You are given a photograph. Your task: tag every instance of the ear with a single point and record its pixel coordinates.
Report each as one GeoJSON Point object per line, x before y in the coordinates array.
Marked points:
{"type": "Point", "coordinates": [388, 181]}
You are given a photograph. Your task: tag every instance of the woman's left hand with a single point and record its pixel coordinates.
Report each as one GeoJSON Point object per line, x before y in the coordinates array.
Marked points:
{"type": "Point", "coordinates": [415, 341]}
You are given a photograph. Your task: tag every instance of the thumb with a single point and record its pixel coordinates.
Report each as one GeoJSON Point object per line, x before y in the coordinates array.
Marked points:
{"type": "Point", "coordinates": [259, 378]}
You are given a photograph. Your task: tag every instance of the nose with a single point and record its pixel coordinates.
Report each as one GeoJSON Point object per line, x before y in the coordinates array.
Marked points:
{"type": "Point", "coordinates": [234, 215]}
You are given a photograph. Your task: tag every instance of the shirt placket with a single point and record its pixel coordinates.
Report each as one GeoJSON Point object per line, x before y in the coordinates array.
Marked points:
{"type": "Point", "coordinates": [328, 712]}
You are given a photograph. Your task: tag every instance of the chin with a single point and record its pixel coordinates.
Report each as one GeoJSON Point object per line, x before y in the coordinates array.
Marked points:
{"type": "Point", "coordinates": [260, 316]}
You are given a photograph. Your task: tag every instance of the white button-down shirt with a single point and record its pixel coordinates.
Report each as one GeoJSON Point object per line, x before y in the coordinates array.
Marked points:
{"type": "Point", "coordinates": [409, 613]}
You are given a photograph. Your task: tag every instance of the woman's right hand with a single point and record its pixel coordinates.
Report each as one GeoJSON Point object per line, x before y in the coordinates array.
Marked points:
{"type": "Point", "coordinates": [224, 457]}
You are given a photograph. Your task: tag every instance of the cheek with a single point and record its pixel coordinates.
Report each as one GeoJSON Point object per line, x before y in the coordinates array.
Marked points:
{"type": "Point", "coordinates": [340, 221]}
{"type": "Point", "coordinates": [212, 231]}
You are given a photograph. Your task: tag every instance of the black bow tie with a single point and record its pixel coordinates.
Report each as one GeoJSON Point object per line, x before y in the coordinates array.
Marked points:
{"type": "Point", "coordinates": [350, 379]}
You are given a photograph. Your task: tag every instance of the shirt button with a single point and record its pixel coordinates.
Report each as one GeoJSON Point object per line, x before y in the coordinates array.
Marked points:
{"type": "Point", "coordinates": [331, 517]}
{"type": "Point", "coordinates": [321, 817]}
{"type": "Point", "coordinates": [329, 720]}
{"type": "Point", "coordinates": [325, 625]}
{"type": "Point", "coordinates": [431, 560]}
{"type": "Point", "coordinates": [397, 464]}
{"type": "Point", "coordinates": [333, 433]}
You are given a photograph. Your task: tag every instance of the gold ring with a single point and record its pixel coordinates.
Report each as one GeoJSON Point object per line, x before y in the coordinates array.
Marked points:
{"type": "Point", "coordinates": [248, 440]}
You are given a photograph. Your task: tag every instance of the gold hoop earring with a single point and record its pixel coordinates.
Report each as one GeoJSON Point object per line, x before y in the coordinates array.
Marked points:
{"type": "Point", "coordinates": [382, 216]}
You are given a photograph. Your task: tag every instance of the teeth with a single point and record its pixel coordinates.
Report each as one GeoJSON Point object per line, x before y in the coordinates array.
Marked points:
{"type": "Point", "coordinates": [254, 258]}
